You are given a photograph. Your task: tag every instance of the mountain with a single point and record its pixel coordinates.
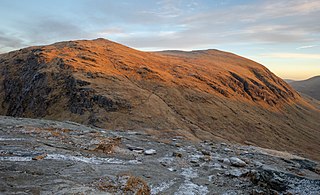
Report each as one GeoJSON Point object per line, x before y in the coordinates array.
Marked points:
{"type": "Point", "coordinates": [201, 95]}
{"type": "Point", "coordinates": [289, 80]}
{"type": "Point", "coordinates": [310, 87]}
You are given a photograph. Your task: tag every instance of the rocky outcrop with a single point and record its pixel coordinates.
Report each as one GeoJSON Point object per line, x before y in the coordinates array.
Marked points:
{"type": "Point", "coordinates": [49, 157]}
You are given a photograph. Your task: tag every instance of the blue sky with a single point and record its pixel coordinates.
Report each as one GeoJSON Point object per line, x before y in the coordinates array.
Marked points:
{"type": "Point", "coordinates": [283, 35]}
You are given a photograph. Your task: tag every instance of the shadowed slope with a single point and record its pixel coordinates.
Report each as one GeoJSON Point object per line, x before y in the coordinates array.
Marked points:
{"type": "Point", "coordinates": [310, 87]}
{"type": "Point", "coordinates": [200, 94]}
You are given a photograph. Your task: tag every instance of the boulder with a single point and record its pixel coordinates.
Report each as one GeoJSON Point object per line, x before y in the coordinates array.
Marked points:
{"type": "Point", "coordinates": [234, 161]}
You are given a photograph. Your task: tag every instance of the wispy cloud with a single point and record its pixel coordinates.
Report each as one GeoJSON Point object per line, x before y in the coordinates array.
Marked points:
{"type": "Point", "coordinates": [173, 24]}
{"type": "Point", "coordinates": [261, 22]}
{"type": "Point", "coordinates": [291, 55]}
{"type": "Point", "coordinates": [306, 47]}
{"type": "Point", "coordinates": [283, 30]}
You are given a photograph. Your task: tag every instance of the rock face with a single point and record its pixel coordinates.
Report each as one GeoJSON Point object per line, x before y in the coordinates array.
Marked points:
{"type": "Point", "coordinates": [206, 94]}
{"type": "Point", "coordinates": [49, 157]}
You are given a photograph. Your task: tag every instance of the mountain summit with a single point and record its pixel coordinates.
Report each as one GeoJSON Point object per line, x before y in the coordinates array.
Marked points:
{"type": "Point", "coordinates": [200, 95]}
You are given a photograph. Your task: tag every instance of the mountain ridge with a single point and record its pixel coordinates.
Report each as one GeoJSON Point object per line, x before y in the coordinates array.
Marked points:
{"type": "Point", "coordinates": [309, 86]}
{"type": "Point", "coordinates": [202, 95]}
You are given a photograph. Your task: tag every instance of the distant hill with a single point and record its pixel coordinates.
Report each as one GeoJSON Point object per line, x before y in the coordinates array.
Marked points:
{"type": "Point", "coordinates": [204, 95]}
{"type": "Point", "coordinates": [288, 80]}
{"type": "Point", "coordinates": [310, 87]}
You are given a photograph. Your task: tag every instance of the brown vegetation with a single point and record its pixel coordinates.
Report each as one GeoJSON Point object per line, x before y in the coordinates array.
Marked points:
{"type": "Point", "coordinates": [127, 184]}
{"type": "Point", "coordinates": [202, 95]}
{"type": "Point", "coordinates": [107, 145]}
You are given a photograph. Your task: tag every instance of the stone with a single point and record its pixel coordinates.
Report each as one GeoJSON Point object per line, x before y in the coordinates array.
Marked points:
{"type": "Point", "coordinates": [216, 165]}
{"type": "Point", "coordinates": [237, 172]}
{"type": "Point", "coordinates": [205, 158]}
{"type": "Point", "coordinates": [132, 148]}
{"type": "Point", "coordinates": [150, 152]}
{"type": "Point", "coordinates": [138, 151]}
{"type": "Point", "coordinates": [269, 178]}
{"type": "Point", "coordinates": [226, 161]}
{"type": "Point", "coordinates": [194, 160]}
{"type": "Point", "coordinates": [163, 163]}
{"type": "Point", "coordinates": [246, 160]}
{"type": "Point", "coordinates": [257, 164]}
{"type": "Point", "coordinates": [178, 144]}
{"type": "Point", "coordinates": [205, 152]}
{"type": "Point", "coordinates": [258, 192]}
{"type": "Point", "coordinates": [234, 161]}
{"type": "Point", "coordinates": [223, 144]}
{"type": "Point", "coordinates": [177, 154]}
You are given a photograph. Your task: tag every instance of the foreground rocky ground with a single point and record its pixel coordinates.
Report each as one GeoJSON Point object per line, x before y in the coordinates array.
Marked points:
{"type": "Point", "coordinates": [48, 157]}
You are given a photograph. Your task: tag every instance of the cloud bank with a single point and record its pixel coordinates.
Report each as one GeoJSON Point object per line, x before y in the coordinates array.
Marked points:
{"type": "Point", "coordinates": [248, 27]}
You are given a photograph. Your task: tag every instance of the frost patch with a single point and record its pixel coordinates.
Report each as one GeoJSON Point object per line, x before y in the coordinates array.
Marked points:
{"type": "Point", "coordinates": [210, 177]}
{"type": "Point", "coordinates": [161, 187]}
{"type": "Point", "coordinates": [15, 158]}
{"type": "Point", "coordinates": [305, 186]}
{"type": "Point", "coordinates": [134, 162]}
{"type": "Point", "coordinates": [11, 139]}
{"type": "Point", "coordinates": [189, 173]}
{"type": "Point", "coordinates": [71, 158]}
{"type": "Point", "coordinates": [166, 161]}
{"type": "Point", "coordinates": [189, 188]}
{"type": "Point", "coordinates": [196, 156]}
{"type": "Point", "coordinates": [88, 160]}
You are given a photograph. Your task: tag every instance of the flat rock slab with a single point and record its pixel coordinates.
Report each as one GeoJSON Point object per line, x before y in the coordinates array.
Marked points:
{"type": "Point", "coordinates": [49, 157]}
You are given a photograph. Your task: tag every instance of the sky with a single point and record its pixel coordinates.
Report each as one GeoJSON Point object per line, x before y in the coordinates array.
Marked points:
{"type": "Point", "coordinates": [283, 35]}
